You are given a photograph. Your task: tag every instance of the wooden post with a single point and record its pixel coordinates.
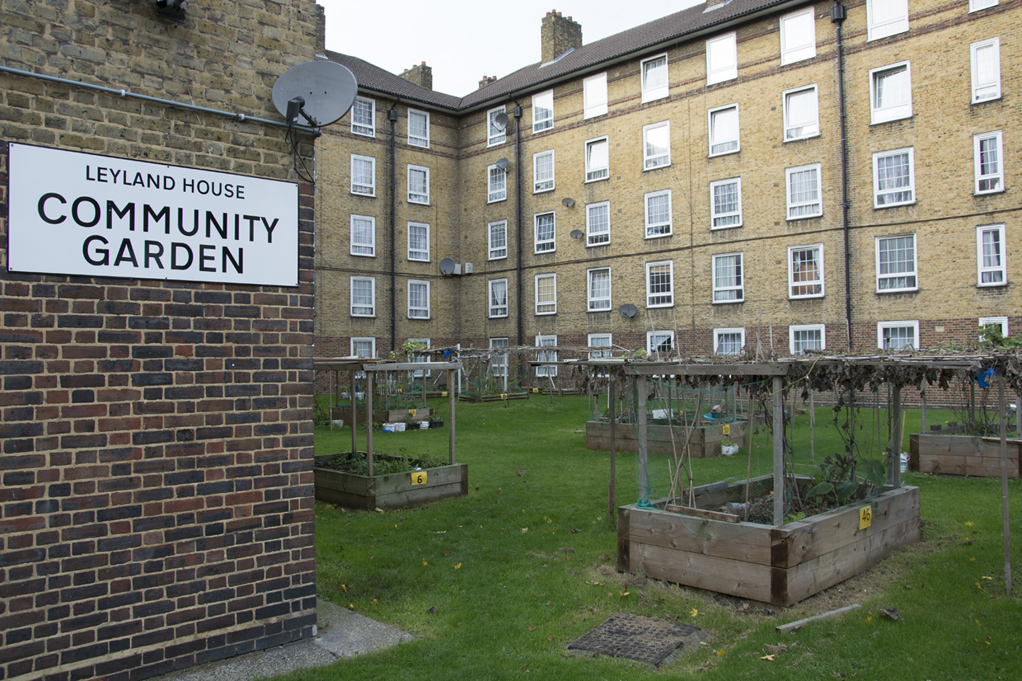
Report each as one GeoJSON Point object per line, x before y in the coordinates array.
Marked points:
{"type": "Point", "coordinates": [894, 462]}
{"type": "Point", "coordinates": [778, 451]}
{"type": "Point", "coordinates": [1018, 415]}
{"type": "Point", "coordinates": [812, 427]}
{"type": "Point", "coordinates": [640, 393]}
{"type": "Point", "coordinates": [369, 423]}
{"type": "Point", "coordinates": [450, 408]}
{"type": "Point", "coordinates": [331, 374]}
{"type": "Point", "coordinates": [354, 415]}
{"type": "Point", "coordinates": [922, 403]}
{"type": "Point", "coordinates": [611, 408]}
{"type": "Point", "coordinates": [423, 388]}
{"type": "Point", "coordinates": [1004, 482]}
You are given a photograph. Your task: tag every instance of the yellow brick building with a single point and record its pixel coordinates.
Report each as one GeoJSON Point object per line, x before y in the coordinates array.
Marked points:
{"type": "Point", "coordinates": [784, 174]}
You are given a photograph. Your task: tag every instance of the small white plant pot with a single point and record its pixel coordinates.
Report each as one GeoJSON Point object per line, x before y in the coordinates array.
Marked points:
{"type": "Point", "coordinates": [729, 450]}
{"type": "Point", "coordinates": [423, 425]}
{"type": "Point", "coordinates": [399, 427]}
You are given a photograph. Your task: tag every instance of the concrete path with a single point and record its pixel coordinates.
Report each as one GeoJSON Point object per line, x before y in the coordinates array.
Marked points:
{"type": "Point", "coordinates": [341, 634]}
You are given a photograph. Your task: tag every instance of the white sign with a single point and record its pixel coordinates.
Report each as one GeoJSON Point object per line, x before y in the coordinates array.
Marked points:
{"type": "Point", "coordinates": [75, 213]}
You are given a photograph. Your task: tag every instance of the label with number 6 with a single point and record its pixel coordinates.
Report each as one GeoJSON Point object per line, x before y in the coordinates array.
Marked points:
{"type": "Point", "coordinates": [418, 477]}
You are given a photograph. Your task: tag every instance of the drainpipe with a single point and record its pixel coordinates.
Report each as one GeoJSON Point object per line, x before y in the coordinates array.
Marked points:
{"type": "Point", "coordinates": [837, 17]}
{"type": "Point", "coordinates": [518, 216]}
{"type": "Point", "coordinates": [392, 117]}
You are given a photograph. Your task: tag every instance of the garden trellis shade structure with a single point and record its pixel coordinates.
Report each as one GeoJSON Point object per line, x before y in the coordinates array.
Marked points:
{"type": "Point", "coordinates": [824, 373]}
{"type": "Point", "coordinates": [354, 365]}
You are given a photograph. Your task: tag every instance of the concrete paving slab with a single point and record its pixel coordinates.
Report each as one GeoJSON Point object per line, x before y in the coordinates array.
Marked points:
{"type": "Point", "coordinates": [341, 634]}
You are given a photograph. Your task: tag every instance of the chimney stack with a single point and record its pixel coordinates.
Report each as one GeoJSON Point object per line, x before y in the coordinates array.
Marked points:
{"type": "Point", "coordinates": [421, 75]}
{"type": "Point", "coordinates": [486, 80]}
{"type": "Point", "coordinates": [558, 35]}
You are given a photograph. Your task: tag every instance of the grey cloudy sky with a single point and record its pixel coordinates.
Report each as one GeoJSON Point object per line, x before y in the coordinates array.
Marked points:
{"type": "Point", "coordinates": [463, 41]}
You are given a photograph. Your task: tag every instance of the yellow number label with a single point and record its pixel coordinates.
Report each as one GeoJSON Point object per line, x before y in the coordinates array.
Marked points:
{"type": "Point", "coordinates": [443, 393]}
{"type": "Point", "coordinates": [535, 390]}
{"type": "Point", "coordinates": [418, 477]}
{"type": "Point", "coordinates": [865, 517]}
{"type": "Point", "coordinates": [411, 413]}
{"type": "Point", "coordinates": [727, 429]}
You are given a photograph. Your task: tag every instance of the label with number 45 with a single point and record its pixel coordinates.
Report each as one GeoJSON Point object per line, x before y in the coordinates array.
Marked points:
{"type": "Point", "coordinates": [418, 477]}
{"type": "Point", "coordinates": [865, 517]}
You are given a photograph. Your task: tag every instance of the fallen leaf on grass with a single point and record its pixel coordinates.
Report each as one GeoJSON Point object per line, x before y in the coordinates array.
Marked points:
{"type": "Point", "coordinates": [768, 658]}
{"type": "Point", "coordinates": [458, 566]}
{"type": "Point", "coordinates": [694, 612]}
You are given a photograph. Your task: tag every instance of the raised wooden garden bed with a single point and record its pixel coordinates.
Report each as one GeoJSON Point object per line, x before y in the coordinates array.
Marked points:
{"type": "Point", "coordinates": [395, 490]}
{"type": "Point", "coordinates": [492, 397]}
{"type": "Point", "coordinates": [972, 455]}
{"type": "Point", "coordinates": [778, 565]}
{"type": "Point", "coordinates": [705, 440]}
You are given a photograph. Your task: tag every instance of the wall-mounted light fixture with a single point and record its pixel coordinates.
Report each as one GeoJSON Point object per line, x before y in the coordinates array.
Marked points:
{"type": "Point", "coordinates": [172, 9]}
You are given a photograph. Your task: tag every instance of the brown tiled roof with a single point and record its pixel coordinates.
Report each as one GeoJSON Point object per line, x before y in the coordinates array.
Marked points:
{"type": "Point", "coordinates": [657, 32]}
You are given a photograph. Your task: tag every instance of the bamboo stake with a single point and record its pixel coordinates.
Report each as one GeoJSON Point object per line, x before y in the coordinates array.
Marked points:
{"type": "Point", "coordinates": [812, 426]}
{"type": "Point", "coordinates": [748, 439]}
{"type": "Point", "coordinates": [1004, 484]}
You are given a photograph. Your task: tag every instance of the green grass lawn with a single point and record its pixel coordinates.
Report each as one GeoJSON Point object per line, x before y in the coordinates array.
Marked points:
{"type": "Point", "coordinates": [495, 584]}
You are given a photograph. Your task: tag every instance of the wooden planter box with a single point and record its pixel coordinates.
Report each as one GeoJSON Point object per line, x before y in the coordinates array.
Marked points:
{"type": "Point", "coordinates": [492, 397]}
{"type": "Point", "coordinates": [389, 491]}
{"type": "Point", "coordinates": [781, 566]}
{"type": "Point", "coordinates": [705, 440]}
{"type": "Point", "coordinates": [384, 415]}
{"type": "Point", "coordinates": [972, 455]}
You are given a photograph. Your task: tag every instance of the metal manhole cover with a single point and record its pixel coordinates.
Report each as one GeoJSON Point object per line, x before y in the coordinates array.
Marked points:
{"type": "Point", "coordinates": [637, 638]}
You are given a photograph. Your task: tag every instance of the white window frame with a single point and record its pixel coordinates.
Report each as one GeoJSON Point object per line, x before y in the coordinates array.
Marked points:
{"type": "Point", "coordinates": [715, 216]}
{"type": "Point", "coordinates": [360, 128]}
{"type": "Point", "coordinates": [597, 174]}
{"type": "Point", "coordinates": [498, 362]}
{"type": "Point", "coordinates": [792, 271]}
{"type": "Point", "coordinates": [496, 184]}
{"type": "Point", "coordinates": [547, 122]}
{"type": "Point", "coordinates": [495, 310]}
{"type": "Point", "coordinates": [912, 274]}
{"type": "Point", "coordinates": [597, 303]}
{"type": "Point", "coordinates": [1002, 322]}
{"type": "Point", "coordinates": [876, 30]}
{"type": "Point", "coordinates": [726, 70]}
{"type": "Point", "coordinates": [363, 189]}
{"type": "Point", "coordinates": [650, 294]}
{"type": "Point", "coordinates": [594, 96]}
{"type": "Point", "coordinates": [418, 140]}
{"type": "Point", "coordinates": [356, 340]}
{"type": "Point", "coordinates": [731, 331]}
{"type": "Point", "coordinates": [889, 113]}
{"type": "Point", "coordinates": [977, 5]}
{"type": "Point", "coordinates": [880, 197]}
{"type": "Point", "coordinates": [419, 254]}
{"type": "Point", "coordinates": [651, 93]}
{"type": "Point", "coordinates": [818, 202]}
{"type": "Point", "coordinates": [421, 312]}
{"type": "Point", "coordinates": [371, 245]}
{"type": "Point", "coordinates": [601, 337]}
{"type": "Point", "coordinates": [546, 355]}
{"type": "Point", "coordinates": [819, 328]}
{"type": "Point", "coordinates": [992, 181]}
{"type": "Point", "coordinates": [739, 276]}
{"type": "Point", "coordinates": [497, 252]}
{"type": "Point", "coordinates": [545, 306]}
{"type": "Point", "coordinates": [912, 324]}
{"type": "Point", "coordinates": [737, 141]}
{"type": "Point", "coordinates": [803, 131]}
{"type": "Point", "coordinates": [494, 136]}
{"type": "Point", "coordinates": [539, 245]}
{"type": "Point", "coordinates": [372, 294]}
{"type": "Point", "coordinates": [1001, 269]}
{"type": "Point", "coordinates": [654, 339]}
{"type": "Point", "coordinates": [540, 185]}
{"type": "Point", "coordinates": [985, 92]}
{"type": "Point", "coordinates": [650, 161]}
{"type": "Point", "coordinates": [601, 238]}
{"type": "Point", "coordinates": [659, 229]}
{"type": "Point", "coordinates": [418, 197]}
{"type": "Point", "coordinates": [797, 50]}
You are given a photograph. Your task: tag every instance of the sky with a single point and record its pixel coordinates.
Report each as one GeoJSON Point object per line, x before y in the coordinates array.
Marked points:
{"type": "Point", "coordinates": [464, 40]}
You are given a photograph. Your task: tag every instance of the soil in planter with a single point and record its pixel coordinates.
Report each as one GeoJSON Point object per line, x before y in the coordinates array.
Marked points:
{"type": "Point", "coordinates": [383, 464]}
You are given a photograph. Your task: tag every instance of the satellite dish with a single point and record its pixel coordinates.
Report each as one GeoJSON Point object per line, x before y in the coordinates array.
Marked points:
{"type": "Point", "coordinates": [318, 92]}
{"type": "Point", "coordinates": [568, 203]}
{"type": "Point", "coordinates": [447, 266]}
{"type": "Point", "coordinates": [502, 163]}
{"type": "Point", "coordinates": [577, 234]}
{"type": "Point", "coordinates": [500, 121]}
{"type": "Point", "coordinates": [628, 310]}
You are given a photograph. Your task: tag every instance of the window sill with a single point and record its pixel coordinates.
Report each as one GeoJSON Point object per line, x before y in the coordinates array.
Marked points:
{"type": "Point", "coordinates": [815, 296]}
{"type": "Point", "coordinates": [875, 120]}
{"type": "Point", "coordinates": [1000, 284]}
{"type": "Point", "coordinates": [552, 250]}
{"type": "Point", "coordinates": [658, 236]}
{"type": "Point", "coordinates": [727, 227]}
{"type": "Point", "coordinates": [657, 167]}
{"type": "Point", "coordinates": [598, 179]}
{"type": "Point", "coordinates": [728, 302]}
{"type": "Point", "coordinates": [370, 196]}
{"type": "Point", "coordinates": [800, 139]}
{"type": "Point", "coordinates": [418, 203]}
{"type": "Point", "coordinates": [805, 217]}
{"type": "Point", "coordinates": [885, 291]}
{"type": "Point", "coordinates": [542, 191]}
{"type": "Point", "coordinates": [724, 153]}
{"type": "Point", "coordinates": [988, 193]}
{"type": "Point", "coordinates": [496, 200]}
{"type": "Point", "coordinates": [893, 205]}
